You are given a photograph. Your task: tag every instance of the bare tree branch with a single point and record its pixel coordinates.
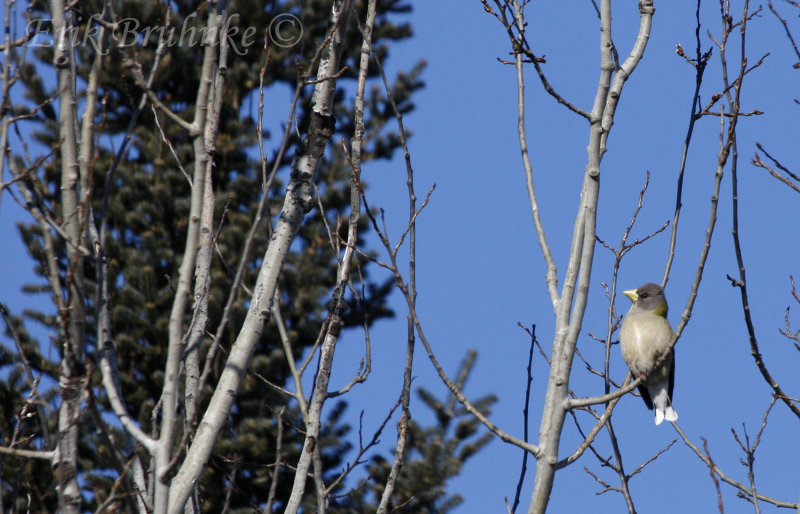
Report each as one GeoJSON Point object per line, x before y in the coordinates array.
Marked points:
{"type": "Point", "coordinates": [792, 180]}
{"type": "Point", "coordinates": [524, 466]}
{"type": "Point", "coordinates": [205, 122]}
{"type": "Point", "coordinates": [741, 282]}
{"type": "Point", "coordinates": [578, 272]}
{"type": "Point", "coordinates": [700, 62]}
{"type": "Point", "coordinates": [715, 470]}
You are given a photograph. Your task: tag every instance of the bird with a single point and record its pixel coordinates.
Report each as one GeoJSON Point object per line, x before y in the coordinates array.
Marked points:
{"type": "Point", "coordinates": [644, 338]}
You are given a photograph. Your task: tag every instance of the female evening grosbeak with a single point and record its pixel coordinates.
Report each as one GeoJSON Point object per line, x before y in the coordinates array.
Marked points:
{"type": "Point", "coordinates": [644, 337]}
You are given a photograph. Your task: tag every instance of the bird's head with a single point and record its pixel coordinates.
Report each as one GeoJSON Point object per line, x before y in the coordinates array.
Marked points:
{"type": "Point", "coordinates": [650, 297]}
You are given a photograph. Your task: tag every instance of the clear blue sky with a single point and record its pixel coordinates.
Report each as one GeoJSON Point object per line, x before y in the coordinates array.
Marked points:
{"type": "Point", "coordinates": [480, 270]}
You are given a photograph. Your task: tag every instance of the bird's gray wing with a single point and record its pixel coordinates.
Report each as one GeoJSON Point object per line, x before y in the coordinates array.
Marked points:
{"type": "Point", "coordinates": [671, 376]}
{"type": "Point", "coordinates": [646, 394]}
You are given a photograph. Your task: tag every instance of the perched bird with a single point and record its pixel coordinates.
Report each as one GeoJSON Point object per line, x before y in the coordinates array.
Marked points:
{"type": "Point", "coordinates": [644, 337]}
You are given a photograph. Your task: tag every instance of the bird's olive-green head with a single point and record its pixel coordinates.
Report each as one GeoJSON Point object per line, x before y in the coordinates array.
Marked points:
{"type": "Point", "coordinates": [649, 298]}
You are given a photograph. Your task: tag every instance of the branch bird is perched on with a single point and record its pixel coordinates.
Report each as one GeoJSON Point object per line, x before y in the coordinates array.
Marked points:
{"type": "Point", "coordinates": [644, 338]}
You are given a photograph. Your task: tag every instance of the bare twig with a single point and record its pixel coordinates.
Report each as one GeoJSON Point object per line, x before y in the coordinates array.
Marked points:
{"type": "Point", "coordinates": [700, 63]}
{"type": "Point", "coordinates": [551, 277]}
{"type": "Point", "coordinates": [741, 281]}
{"type": "Point", "coordinates": [28, 454]}
{"type": "Point", "coordinates": [641, 466]}
{"type": "Point", "coordinates": [750, 452]}
{"type": "Point", "coordinates": [528, 383]}
{"type": "Point", "coordinates": [363, 448]}
{"type": "Point", "coordinates": [792, 180]}
{"type": "Point", "coordinates": [715, 470]}
{"type": "Point", "coordinates": [276, 469]}
{"type": "Point", "coordinates": [196, 253]}
{"type": "Point", "coordinates": [786, 29]}
{"type": "Point", "coordinates": [714, 477]}
{"type": "Point", "coordinates": [619, 468]}
{"type": "Point", "coordinates": [323, 92]}
{"type": "Point", "coordinates": [255, 226]}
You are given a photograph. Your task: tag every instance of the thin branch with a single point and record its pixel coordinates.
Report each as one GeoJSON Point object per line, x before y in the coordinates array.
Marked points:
{"type": "Point", "coordinates": [276, 469]}
{"type": "Point", "coordinates": [641, 466]}
{"type": "Point", "coordinates": [365, 365]}
{"type": "Point", "coordinates": [741, 282]}
{"type": "Point", "coordinates": [726, 142]}
{"type": "Point", "coordinates": [135, 68]}
{"type": "Point", "coordinates": [528, 382]}
{"type": "Point", "coordinates": [620, 469]}
{"type": "Point", "coordinates": [714, 469]}
{"type": "Point", "coordinates": [511, 17]}
{"type": "Point", "coordinates": [786, 180]}
{"type": "Point", "coordinates": [304, 168]}
{"type": "Point", "coordinates": [786, 29]}
{"type": "Point", "coordinates": [575, 403]}
{"type": "Point", "coordinates": [623, 71]}
{"type": "Point", "coordinates": [714, 477]}
{"type": "Point", "coordinates": [195, 252]}
{"type": "Point", "coordinates": [28, 454]}
{"type": "Point", "coordinates": [432, 357]}
{"type": "Point", "coordinates": [409, 289]}
{"type": "Point", "coordinates": [551, 276]}
{"type": "Point", "coordinates": [706, 111]}
{"type": "Point", "coordinates": [255, 226]}
{"type": "Point", "coordinates": [33, 383]}
{"type": "Point", "coordinates": [587, 441]}
{"type": "Point", "coordinates": [287, 350]}
{"type": "Point", "coordinates": [364, 448]}
{"type": "Point", "coordinates": [700, 63]}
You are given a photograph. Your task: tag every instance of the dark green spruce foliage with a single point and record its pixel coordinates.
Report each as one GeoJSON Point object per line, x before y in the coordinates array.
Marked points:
{"type": "Point", "coordinates": [147, 219]}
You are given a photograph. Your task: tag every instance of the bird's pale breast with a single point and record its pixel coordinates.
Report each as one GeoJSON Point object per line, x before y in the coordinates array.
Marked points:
{"type": "Point", "coordinates": [643, 337]}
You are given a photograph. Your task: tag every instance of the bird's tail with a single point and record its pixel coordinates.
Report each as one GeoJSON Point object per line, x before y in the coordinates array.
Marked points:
{"type": "Point", "coordinates": [667, 413]}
